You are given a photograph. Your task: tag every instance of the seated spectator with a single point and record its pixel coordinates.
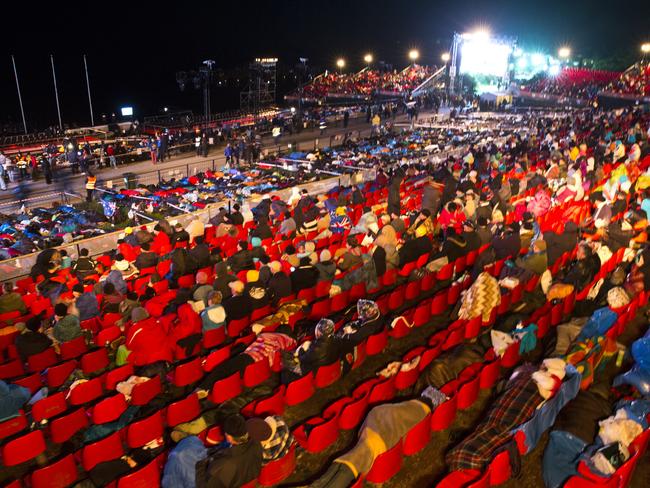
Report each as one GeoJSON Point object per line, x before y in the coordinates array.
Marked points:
{"type": "Point", "coordinates": [454, 245]}
{"type": "Point", "coordinates": [507, 243]}
{"type": "Point", "coordinates": [257, 251]}
{"type": "Point", "coordinates": [423, 220]}
{"type": "Point", "coordinates": [111, 299]}
{"type": "Point", "coordinates": [127, 269]}
{"type": "Point", "coordinates": [146, 259]}
{"type": "Point", "coordinates": [126, 307]}
{"type": "Point", "coordinates": [274, 435]}
{"type": "Point", "coordinates": [326, 267]}
{"type": "Point", "coordinates": [242, 260]}
{"type": "Point", "coordinates": [535, 261]}
{"type": "Point", "coordinates": [202, 288]}
{"type": "Point", "coordinates": [234, 466]}
{"type": "Point", "coordinates": [351, 256]}
{"type": "Point", "coordinates": [288, 226]}
{"type": "Point", "coordinates": [12, 399]}
{"type": "Point", "coordinates": [84, 266]}
{"type": "Point", "coordinates": [66, 325]}
{"type": "Point", "coordinates": [180, 236]}
{"type": "Point", "coordinates": [214, 315]}
{"type": "Point", "coordinates": [256, 290]}
{"type": "Point", "coordinates": [414, 248]}
{"type": "Point", "coordinates": [279, 283]}
{"type": "Point", "coordinates": [305, 276]}
{"type": "Point", "coordinates": [483, 231]}
{"type": "Point", "coordinates": [146, 341]}
{"type": "Point", "coordinates": [558, 244]}
{"type": "Point", "coordinates": [32, 340]}
{"type": "Point", "coordinates": [182, 264]}
{"type": "Point", "coordinates": [11, 301]}
{"type": "Point", "coordinates": [238, 305]}
{"type": "Point", "coordinates": [481, 298]}
{"type": "Point", "coordinates": [583, 269]}
{"type": "Point", "coordinates": [223, 279]}
{"type": "Point", "coordinates": [180, 468]}
{"type": "Point", "coordinates": [200, 253]}
{"type": "Point", "coordinates": [290, 256]}
{"type": "Point", "coordinates": [116, 279]}
{"type": "Point", "coordinates": [85, 302]}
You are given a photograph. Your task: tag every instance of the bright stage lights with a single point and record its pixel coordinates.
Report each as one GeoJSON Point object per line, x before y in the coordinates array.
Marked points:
{"type": "Point", "coordinates": [483, 56]}
{"type": "Point", "coordinates": [645, 47]}
{"type": "Point", "coordinates": [368, 58]}
{"type": "Point", "coordinates": [554, 70]}
{"type": "Point", "coordinates": [340, 63]}
{"type": "Point", "coordinates": [564, 52]}
{"type": "Point", "coordinates": [445, 57]}
{"type": "Point", "coordinates": [414, 54]}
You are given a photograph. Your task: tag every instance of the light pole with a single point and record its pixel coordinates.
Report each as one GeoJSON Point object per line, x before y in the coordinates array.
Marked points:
{"type": "Point", "coordinates": [56, 93]}
{"type": "Point", "coordinates": [90, 101]}
{"type": "Point", "coordinates": [20, 98]}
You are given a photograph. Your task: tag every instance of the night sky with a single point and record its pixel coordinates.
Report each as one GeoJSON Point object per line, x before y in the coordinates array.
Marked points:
{"type": "Point", "coordinates": [134, 50]}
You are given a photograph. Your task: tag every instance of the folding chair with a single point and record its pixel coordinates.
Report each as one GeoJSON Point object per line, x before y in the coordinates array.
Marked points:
{"type": "Point", "coordinates": [39, 362]}
{"type": "Point", "coordinates": [13, 425]}
{"type": "Point", "coordinates": [11, 369]}
{"type": "Point", "coordinates": [468, 393]}
{"type": "Point", "coordinates": [187, 373]}
{"type": "Point", "coordinates": [417, 437]}
{"type": "Point", "coordinates": [214, 337]}
{"type": "Point", "coordinates": [149, 476]}
{"type": "Point", "coordinates": [276, 471]}
{"type": "Point", "coordinates": [256, 373]}
{"type": "Point", "coordinates": [32, 382]}
{"type": "Point", "coordinates": [443, 415]}
{"type": "Point", "coordinates": [115, 376]}
{"type": "Point", "coordinates": [236, 327]}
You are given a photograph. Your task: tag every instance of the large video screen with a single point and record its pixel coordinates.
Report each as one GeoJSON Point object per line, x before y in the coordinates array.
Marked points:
{"type": "Point", "coordinates": [484, 56]}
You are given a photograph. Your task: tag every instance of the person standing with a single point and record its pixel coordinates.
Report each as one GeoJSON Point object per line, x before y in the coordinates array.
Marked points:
{"type": "Point", "coordinates": [153, 147]}
{"type": "Point", "coordinates": [91, 180]}
{"type": "Point", "coordinates": [3, 161]}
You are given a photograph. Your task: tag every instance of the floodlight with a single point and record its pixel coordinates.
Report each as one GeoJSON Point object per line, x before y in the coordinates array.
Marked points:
{"type": "Point", "coordinates": [645, 47]}
{"type": "Point", "coordinates": [368, 58]}
{"type": "Point", "coordinates": [554, 70]}
{"type": "Point", "coordinates": [445, 57]}
{"type": "Point", "coordinates": [414, 54]}
{"type": "Point", "coordinates": [340, 63]}
{"type": "Point", "coordinates": [564, 52]}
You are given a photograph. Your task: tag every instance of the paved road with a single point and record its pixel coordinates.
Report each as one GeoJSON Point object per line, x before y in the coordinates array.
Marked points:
{"type": "Point", "coordinates": [40, 193]}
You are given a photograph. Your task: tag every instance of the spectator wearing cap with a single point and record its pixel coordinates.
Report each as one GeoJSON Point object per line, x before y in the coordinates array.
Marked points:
{"type": "Point", "coordinates": [536, 261]}
{"type": "Point", "coordinates": [130, 237]}
{"type": "Point", "coordinates": [471, 236]}
{"type": "Point", "coordinates": [202, 288]}
{"type": "Point", "coordinates": [66, 325]}
{"type": "Point", "coordinates": [32, 340]}
{"type": "Point", "coordinates": [180, 468]}
{"type": "Point", "coordinates": [273, 434]}
{"type": "Point", "coordinates": [214, 315]}
{"type": "Point", "coordinates": [234, 466]}
{"type": "Point", "coordinates": [85, 302]}
{"type": "Point", "coordinates": [239, 304]}
{"type": "Point", "coordinates": [11, 301]}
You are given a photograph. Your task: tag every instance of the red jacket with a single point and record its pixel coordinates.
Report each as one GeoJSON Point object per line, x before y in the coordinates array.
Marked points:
{"type": "Point", "coordinates": [148, 342]}
{"type": "Point", "coordinates": [161, 244]}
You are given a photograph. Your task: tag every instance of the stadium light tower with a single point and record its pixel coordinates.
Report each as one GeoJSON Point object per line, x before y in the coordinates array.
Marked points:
{"type": "Point", "coordinates": [445, 57]}
{"type": "Point", "coordinates": [414, 54]}
{"type": "Point", "coordinates": [645, 49]}
{"type": "Point", "coordinates": [368, 58]}
{"type": "Point", "coordinates": [340, 63]}
{"type": "Point", "coordinates": [564, 52]}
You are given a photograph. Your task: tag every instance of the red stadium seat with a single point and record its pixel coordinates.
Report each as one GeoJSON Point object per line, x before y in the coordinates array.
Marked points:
{"type": "Point", "coordinates": [227, 388]}
{"type": "Point", "coordinates": [59, 474]}
{"type": "Point", "coordinates": [106, 449]}
{"type": "Point", "coordinates": [86, 392]}
{"type": "Point", "coordinates": [468, 393]}
{"type": "Point", "coordinates": [417, 437]}
{"type": "Point", "coordinates": [64, 427]}
{"type": "Point", "coordinates": [187, 373]}
{"type": "Point", "coordinates": [109, 409]}
{"type": "Point", "coordinates": [49, 407]}
{"type": "Point", "coordinates": [108, 335]}
{"type": "Point", "coordinates": [299, 390]}
{"type": "Point", "coordinates": [490, 373]}
{"type": "Point", "coordinates": [143, 393]}
{"type": "Point", "coordinates": [326, 375]}
{"type": "Point", "coordinates": [94, 361]}
{"type": "Point", "coordinates": [143, 431]}
{"type": "Point", "coordinates": [183, 410]}
{"type": "Point", "coordinates": [115, 376]}
{"type": "Point", "coordinates": [13, 425]}
{"type": "Point", "coordinates": [439, 303]}
{"type": "Point", "coordinates": [73, 349]}
{"type": "Point", "coordinates": [376, 343]}
{"type": "Point", "coordinates": [23, 448]}
{"type": "Point", "coordinates": [236, 327]}
{"type": "Point", "coordinates": [386, 465]}
{"type": "Point", "coordinates": [322, 435]}
{"type": "Point", "coordinates": [214, 337]}
{"type": "Point", "coordinates": [277, 471]}
{"type": "Point", "coordinates": [32, 382]}
{"type": "Point", "coordinates": [271, 405]}
{"type": "Point", "coordinates": [256, 373]}
{"type": "Point", "coordinates": [38, 362]}
{"type": "Point", "coordinates": [146, 477]}
{"type": "Point", "coordinates": [443, 415]}
{"type": "Point", "coordinates": [382, 391]}
{"type": "Point", "coordinates": [11, 369]}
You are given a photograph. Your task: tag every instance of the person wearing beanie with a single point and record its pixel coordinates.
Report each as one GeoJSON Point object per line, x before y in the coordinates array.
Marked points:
{"type": "Point", "coordinates": [85, 302]}
{"type": "Point", "coordinates": [66, 326]}
{"type": "Point", "coordinates": [234, 466]}
{"type": "Point", "coordinates": [325, 266]}
{"type": "Point", "coordinates": [242, 260]}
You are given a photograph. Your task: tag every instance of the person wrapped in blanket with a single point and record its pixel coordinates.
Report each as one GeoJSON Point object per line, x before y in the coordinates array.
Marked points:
{"type": "Point", "coordinates": [329, 346]}
{"type": "Point", "coordinates": [383, 427]}
{"type": "Point", "coordinates": [525, 391]}
{"type": "Point", "coordinates": [581, 420]}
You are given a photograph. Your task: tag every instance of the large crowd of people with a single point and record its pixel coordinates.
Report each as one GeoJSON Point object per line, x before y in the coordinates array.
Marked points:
{"type": "Point", "coordinates": [634, 81]}
{"type": "Point", "coordinates": [574, 82]}
{"type": "Point", "coordinates": [367, 82]}
{"type": "Point", "coordinates": [181, 357]}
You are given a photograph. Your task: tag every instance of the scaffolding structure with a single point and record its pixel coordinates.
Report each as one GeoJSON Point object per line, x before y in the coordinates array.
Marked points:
{"type": "Point", "coordinates": [262, 83]}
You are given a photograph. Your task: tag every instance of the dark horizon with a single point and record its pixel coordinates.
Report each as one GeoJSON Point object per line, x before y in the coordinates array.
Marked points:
{"type": "Point", "coordinates": [134, 52]}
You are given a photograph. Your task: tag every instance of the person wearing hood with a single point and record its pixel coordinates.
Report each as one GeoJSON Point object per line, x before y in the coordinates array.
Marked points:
{"type": "Point", "coordinates": [180, 237]}
{"type": "Point", "coordinates": [325, 349]}
{"type": "Point", "coordinates": [66, 325]}
{"type": "Point", "coordinates": [454, 246]}
{"type": "Point", "coordinates": [508, 244]}
{"type": "Point", "coordinates": [257, 251]}
{"type": "Point", "coordinates": [558, 244]}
